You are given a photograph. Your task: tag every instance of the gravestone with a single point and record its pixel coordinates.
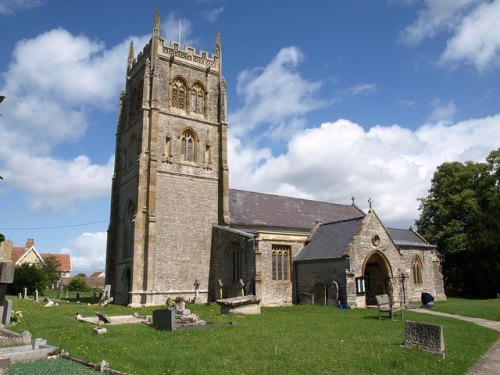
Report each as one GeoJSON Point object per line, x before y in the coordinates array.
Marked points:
{"type": "Point", "coordinates": [103, 317]}
{"type": "Point", "coordinates": [220, 285]}
{"type": "Point", "coordinates": [196, 290]}
{"type": "Point", "coordinates": [333, 295]}
{"type": "Point", "coordinates": [60, 292]}
{"type": "Point", "coordinates": [164, 319]}
{"type": "Point", "coordinates": [6, 277]}
{"type": "Point", "coordinates": [36, 295]}
{"type": "Point", "coordinates": [7, 312]}
{"type": "Point", "coordinates": [25, 293]}
{"type": "Point", "coordinates": [423, 336]}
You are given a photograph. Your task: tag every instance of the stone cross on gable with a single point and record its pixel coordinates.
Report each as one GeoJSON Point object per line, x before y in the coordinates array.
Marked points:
{"type": "Point", "coordinates": [370, 202]}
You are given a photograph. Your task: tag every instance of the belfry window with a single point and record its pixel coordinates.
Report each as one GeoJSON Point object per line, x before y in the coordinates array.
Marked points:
{"type": "Point", "coordinates": [188, 146]}
{"type": "Point", "coordinates": [197, 99]}
{"type": "Point", "coordinates": [417, 270]}
{"type": "Point", "coordinates": [179, 94]}
{"type": "Point", "coordinates": [281, 262]}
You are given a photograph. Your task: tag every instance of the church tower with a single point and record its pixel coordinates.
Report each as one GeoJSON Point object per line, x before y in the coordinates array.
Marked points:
{"type": "Point", "coordinates": [170, 183]}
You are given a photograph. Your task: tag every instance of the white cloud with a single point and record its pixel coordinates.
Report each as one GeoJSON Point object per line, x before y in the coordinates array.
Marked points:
{"type": "Point", "coordinates": [88, 252]}
{"type": "Point", "coordinates": [472, 24]}
{"type": "Point", "coordinates": [477, 40]}
{"type": "Point", "coordinates": [171, 27]}
{"type": "Point", "coordinates": [213, 14]}
{"type": "Point", "coordinates": [340, 159]}
{"type": "Point", "coordinates": [437, 16]}
{"type": "Point", "coordinates": [442, 111]}
{"type": "Point", "coordinates": [48, 104]}
{"type": "Point", "coordinates": [57, 184]}
{"type": "Point", "coordinates": [12, 6]}
{"type": "Point", "coordinates": [274, 93]}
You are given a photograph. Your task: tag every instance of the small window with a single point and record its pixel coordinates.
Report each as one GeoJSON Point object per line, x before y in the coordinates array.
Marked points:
{"type": "Point", "coordinates": [281, 262]}
{"type": "Point", "coordinates": [417, 271]}
{"type": "Point", "coordinates": [188, 146]}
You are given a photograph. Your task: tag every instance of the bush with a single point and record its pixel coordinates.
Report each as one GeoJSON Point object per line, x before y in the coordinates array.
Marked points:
{"type": "Point", "coordinates": [28, 276]}
{"type": "Point", "coordinates": [78, 284]}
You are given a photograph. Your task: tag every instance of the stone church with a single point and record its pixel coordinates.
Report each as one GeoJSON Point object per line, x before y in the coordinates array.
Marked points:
{"type": "Point", "coordinates": [175, 226]}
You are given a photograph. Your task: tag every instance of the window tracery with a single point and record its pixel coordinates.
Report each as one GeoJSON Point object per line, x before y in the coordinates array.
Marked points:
{"type": "Point", "coordinates": [197, 99]}
{"type": "Point", "coordinates": [179, 94]}
{"type": "Point", "coordinates": [281, 262]}
{"type": "Point", "coordinates": [188, 146]}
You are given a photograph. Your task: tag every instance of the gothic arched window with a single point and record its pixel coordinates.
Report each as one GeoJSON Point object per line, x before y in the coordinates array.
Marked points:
{"type": "Point", "coordinates": [179, 94]}
{"type": "Point", "coordinates": [416, 268]}
{"type": "Point", "coordinates": [188, 146]}
{"type": "Point", "coordinates": [197, 99]}
{"type": "Point", "coordinates": [281, 262]}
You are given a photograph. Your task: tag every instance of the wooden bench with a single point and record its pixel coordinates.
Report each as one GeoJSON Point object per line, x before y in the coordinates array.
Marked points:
{"type": "Point", "coordinates": [384, 304]}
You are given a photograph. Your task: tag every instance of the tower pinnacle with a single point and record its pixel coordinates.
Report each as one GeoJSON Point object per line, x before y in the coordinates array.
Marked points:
{"type": "Point", "coordinates": [156, 23]}
{"type": "Point", "coordinates": [130, 55]}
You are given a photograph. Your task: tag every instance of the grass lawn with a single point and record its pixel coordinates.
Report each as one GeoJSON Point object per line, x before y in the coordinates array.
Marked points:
{"type": "Point", "coordinates": [286, 340]}
{"type": "Point", "coordinates": [485, 309]}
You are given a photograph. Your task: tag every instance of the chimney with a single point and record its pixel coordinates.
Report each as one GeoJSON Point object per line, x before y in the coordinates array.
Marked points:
{"type": "Point", "coordinates": [30, 242]}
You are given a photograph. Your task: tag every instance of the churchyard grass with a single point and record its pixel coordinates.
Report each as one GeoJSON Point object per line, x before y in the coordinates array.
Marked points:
{"type": "Point", "coordinates": [485, 309]}
{"type": "Point", "coordinates": [284, 340]}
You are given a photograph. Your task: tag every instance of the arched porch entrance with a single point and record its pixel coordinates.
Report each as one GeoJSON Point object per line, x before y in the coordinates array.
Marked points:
{"type": "Point", "coordinates": [377, 274]}
{"type": "Point", "coordinates": [126, 285]}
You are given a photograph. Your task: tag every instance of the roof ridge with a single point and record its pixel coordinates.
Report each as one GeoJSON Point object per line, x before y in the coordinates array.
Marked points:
{"type": "Point", "coordinates": [288, 197]}
{"type": "Point", "coordinates": [343, 221]}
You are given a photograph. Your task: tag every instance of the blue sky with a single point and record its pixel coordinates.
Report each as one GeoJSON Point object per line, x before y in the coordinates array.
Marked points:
{"type": "Point", "coordinates": [327, 100]}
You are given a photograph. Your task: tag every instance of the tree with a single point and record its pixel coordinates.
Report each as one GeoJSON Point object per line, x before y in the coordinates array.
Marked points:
{"type": "Point", "coordinates": [78, 284]}
{"type": "Point", "coordinates": [51, 268]}
{"type": "Point", "coordinates": [461, 215]}
{"type": "Point", "coordinates": [28, 276]}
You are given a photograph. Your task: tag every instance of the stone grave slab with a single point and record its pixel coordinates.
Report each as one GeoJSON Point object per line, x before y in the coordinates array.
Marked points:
{"type": "Point", "coordinates": [246, 305]}
{"type": "Point", "coordinates": [423, 336]}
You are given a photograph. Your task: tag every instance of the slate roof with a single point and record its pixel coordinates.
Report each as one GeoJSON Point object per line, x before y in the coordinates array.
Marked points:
{"type": "Point", "coordinates": [249, 209]}
{"type": "Point", "coordinates": [405, 238]}
{"type": "Point", "coordinates": [330, 240]}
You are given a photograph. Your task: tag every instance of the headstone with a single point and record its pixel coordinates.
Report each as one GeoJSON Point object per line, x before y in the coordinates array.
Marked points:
{"type": "Point", "coordinates": [242, 287]}
{"type": "Point", "coordinates": [220, 285]}
{"type": "Point", "coordinates": [164, 319]}
{"type": "Point", "coordinates": [25, 293]}
{"type": "Point", "coordinates": [196, 290]}
{"type": "Point", "coordinates": [333, 296]}
{"type": "Point", "coordinates": [67, 293]}
{"type": "Point", "coordinates": [49, 304]}
{"type": "Point", "coordinates": [7, 311]}
{"type": "Point", "coordinates": [19, 295]}
{"type": "Point", "coordinates": [36, 295]}
{"type": "Point", "coordinates": [60, 292]}
{"type": "Point", "coordinates": [423, 336]}
{"type": "Point", "coordinates": [103, 317]}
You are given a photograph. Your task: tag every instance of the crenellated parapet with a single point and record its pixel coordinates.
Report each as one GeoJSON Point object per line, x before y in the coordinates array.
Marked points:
{"type": "Point", "coordinates": [191, 56]}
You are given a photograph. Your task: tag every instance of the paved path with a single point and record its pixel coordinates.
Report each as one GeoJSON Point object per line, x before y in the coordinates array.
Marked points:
{"type": "Point", "coordinates": [489, 364]}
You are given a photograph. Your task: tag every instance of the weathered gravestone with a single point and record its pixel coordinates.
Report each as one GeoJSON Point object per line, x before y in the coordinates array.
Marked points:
{"type": "Point", "coordinates": [60, 292]}
{"type": "Point", "coordinates": [7, 312]}
{"type": "Point", "coordinates": [164, 319]}
{"type": "Point", "coordinates": [103, 317]}
{"type": "Point", "coordinates": [6, 277]}
{"type": "Point", "coordinates": [423, 336]}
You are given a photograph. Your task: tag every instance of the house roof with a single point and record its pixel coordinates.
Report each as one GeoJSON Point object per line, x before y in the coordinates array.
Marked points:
{"type": "Point", "coordinates": [64, 260]}
{"type": "Point", "coordinates": [330, 240]}
{"type": "Point", "coordinates": [406, 238]}
{"type": "Point", "coordinates": [249, 209]}
{"type": "Point", "coordinates": [17, 253]}
{"type": "Point", "coordinates": [97, 274]}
